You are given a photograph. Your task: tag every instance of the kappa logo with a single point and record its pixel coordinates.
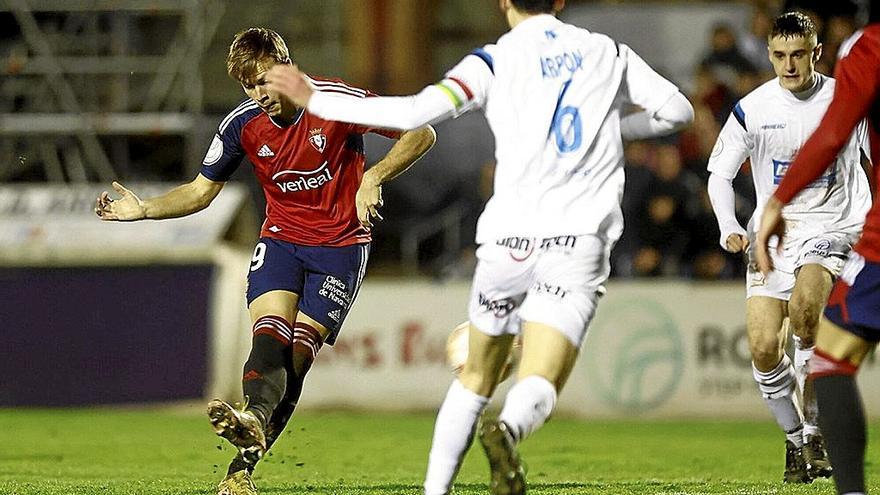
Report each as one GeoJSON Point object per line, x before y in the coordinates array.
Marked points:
{"type": "Point", "coordinates": [318, 139]}
{"type": "Point", "coordinates": [498, 307]}
{"type": "Point", "coordinates": [265, 151]}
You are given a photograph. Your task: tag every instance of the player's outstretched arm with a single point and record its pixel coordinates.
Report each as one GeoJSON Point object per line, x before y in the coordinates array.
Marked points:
{"type": "Point", "coordinates": [674, 115]}
{"type": "Point", "coordinates": [181, 201]}
{"type": "Point", "coordinates": [411, 146]}
{"type": "Point", "coordinates": [429, 106]}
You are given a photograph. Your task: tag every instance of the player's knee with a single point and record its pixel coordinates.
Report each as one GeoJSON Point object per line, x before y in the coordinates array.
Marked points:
{"type": "Point", "coordinates": [766, 352]}
{"type": "Point", "coordinates": [804, 318]}
{"type": "Point", "coordinates": [823, 364]}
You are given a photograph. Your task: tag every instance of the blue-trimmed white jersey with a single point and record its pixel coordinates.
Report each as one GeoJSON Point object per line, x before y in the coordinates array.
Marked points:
{"type": "Point", "coordinates": [769, 126]}
{"type": "Point", "coordinates": [553, 95]}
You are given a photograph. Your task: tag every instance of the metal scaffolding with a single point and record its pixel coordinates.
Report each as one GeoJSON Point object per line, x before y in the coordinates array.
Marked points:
{"type": "Point", "coordinates": [82, 78]}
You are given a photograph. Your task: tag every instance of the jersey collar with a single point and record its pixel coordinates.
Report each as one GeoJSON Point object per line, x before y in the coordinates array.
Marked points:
{"type": "Point", "coordinates": [807, 94]}
{"type": "Point", "coordinates": [537, 22]}
{"type": "Point", "coordinates": [283, 125]}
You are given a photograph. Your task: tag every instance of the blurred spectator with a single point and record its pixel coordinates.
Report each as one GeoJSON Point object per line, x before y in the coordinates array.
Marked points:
{"type": "Point", "coordinates": [753, 43]}
{"type": "Point", "coordinates": [638, 180]}
{"type": "Point", "coordinates": [697, 141]}
{"type": "Point", "coordinates": [662, 221]}
{"type": "Point", "coordinates": [711, 93]}
{"type": "Point", "coordinates": [724, 58]}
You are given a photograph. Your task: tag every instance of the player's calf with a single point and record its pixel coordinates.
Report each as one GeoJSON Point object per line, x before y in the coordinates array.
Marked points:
{"type": "Point", "coordinates": [842, 419]}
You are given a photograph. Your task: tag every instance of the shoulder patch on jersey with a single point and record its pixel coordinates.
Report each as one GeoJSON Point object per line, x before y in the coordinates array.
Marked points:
{"type": "Point", "coordinates": [215, 151]}
{"type": "Point", "coordinates": [718, 149]}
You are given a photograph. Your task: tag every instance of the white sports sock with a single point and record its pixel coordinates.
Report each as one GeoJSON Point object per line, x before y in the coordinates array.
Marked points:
{"type": "Point", "coordinates": [527, 406]}
{"type": "Point", "coordinates": [802, 356]}
{"type": "Point", "coordinates": [453, 433]}
{"type": "Point", "coordinates": [777, 387]}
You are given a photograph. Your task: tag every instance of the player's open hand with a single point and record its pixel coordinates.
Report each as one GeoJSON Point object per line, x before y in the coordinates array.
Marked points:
{"type": "Point", "coordinates": [772, 224]}
{"type": "Point", "coordinates": [127, 208]}
{"type": "Point", "coordinates": [289, 82]}
{"type": "Point", "coordinates": [368, 200]}
{"type": "Point", "coordinates": [736, 243]}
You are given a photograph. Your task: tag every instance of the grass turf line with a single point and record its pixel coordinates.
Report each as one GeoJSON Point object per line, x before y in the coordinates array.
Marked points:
{"type": "Point", "coordinates": [146, 452]}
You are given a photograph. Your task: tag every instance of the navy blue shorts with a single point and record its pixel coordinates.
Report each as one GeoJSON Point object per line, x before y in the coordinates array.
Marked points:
{"type": "Point", "coordinates": [854, 304]}
{"type": "Point", "coordinates": [325, 278]}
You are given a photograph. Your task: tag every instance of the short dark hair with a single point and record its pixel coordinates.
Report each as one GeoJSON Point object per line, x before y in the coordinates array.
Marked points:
{"type": "Point", "coordinates": [793, 25]}
{"type": "Point", "coordinates": [251, 47]}
{"type": "Point", "coordinates": [534, 6]}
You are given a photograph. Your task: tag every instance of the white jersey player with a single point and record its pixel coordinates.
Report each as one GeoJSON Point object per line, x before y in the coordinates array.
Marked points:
{"type": "Point", "coordinates": [768, 127]}
{"type": "Point", "coordinates": [554, 96]}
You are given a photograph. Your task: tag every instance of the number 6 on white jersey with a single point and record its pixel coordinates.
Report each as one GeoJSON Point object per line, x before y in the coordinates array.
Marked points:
{"type": "Point", "coordinates": [566, 124]}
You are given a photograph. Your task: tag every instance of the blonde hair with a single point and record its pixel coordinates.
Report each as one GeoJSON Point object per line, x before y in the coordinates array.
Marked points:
{"type": "Point", "coordinates": [253, 47]}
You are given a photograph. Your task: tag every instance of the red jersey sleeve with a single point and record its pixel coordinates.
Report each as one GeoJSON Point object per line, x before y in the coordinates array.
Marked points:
{"type": "Point", "coordinates": [857, 75]}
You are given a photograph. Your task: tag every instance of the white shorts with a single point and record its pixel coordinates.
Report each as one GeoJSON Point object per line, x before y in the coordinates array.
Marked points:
{"type": "Point", "coordinates": [829, 250]}
{"type": "Point", "coordinates": [555, 281]}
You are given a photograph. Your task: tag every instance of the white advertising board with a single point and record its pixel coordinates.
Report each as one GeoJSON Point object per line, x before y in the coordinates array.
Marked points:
{"type": "Point", "coordinates": [57, 223]}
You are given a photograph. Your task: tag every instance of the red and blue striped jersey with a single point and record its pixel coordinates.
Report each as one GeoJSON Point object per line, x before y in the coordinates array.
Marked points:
{"type": "Point", "coordinates": [309, 169]}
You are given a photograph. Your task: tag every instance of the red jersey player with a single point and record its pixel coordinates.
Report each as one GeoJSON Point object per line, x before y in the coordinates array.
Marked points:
{"type": "Point", "coordinates": [312, 253]}
{"type": "Point", "coordinates": [851, 326]}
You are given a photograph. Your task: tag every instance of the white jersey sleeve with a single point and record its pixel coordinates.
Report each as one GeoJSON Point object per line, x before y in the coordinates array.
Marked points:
{"type": "Point", "coordinates": [464, 88]}
{"type": "Point", "coordinates": [731, 148]}
{"type": "Point", "coordinates": [467, 84]}
{"type": "Point", "coordinates": [643, 86]}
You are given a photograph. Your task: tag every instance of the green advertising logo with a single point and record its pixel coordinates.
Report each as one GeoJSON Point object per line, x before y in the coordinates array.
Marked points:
{"type": "Point", "coordinates": [634, 355]}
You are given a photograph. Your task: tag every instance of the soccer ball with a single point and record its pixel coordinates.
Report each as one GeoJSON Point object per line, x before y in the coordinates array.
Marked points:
{"type": "Point", "coordinates": [457, 351]}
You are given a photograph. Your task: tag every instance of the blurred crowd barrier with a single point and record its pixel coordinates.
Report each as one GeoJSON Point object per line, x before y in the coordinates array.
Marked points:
{"type": "Point", "coordinates": [97, 313]}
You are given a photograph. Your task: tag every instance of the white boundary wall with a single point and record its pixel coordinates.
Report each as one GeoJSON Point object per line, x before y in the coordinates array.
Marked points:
{"type": "Point", "coordinates": [655, 350]}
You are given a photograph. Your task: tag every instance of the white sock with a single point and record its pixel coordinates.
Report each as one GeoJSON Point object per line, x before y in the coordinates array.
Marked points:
{"type": "Point", "coordinates": [527, 406]}
{"type": "Point", "coordinates": [453, 432]}
{"type": "Point", "coordinates": [777, 387]}
{"type": "Point", "coordinates": [802, 356]}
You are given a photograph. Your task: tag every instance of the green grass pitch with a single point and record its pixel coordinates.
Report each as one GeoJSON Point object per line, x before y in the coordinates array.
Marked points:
{"type": "Point", "coordinates": [144, 452]}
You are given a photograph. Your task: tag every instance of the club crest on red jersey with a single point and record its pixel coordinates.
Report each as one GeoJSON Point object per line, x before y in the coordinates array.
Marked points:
{"type": "Point", "coordinates": [318, 138]}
